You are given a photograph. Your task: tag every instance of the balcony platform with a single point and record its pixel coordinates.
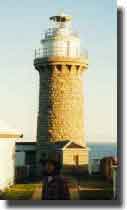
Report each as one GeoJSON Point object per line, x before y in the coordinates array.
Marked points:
{"type": "Point", "coordinates": [60, 60]}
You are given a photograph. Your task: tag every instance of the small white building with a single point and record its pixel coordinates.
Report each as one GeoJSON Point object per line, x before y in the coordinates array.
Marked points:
{"type": "Point", "coordinates": [7, 155]}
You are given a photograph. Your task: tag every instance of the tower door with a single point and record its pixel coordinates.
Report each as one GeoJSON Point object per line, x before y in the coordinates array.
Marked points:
{"type": "Point", "coordinates": [76, 160]}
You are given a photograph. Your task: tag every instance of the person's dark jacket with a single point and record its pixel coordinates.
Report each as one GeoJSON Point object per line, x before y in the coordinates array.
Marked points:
{"type": "Point", "coordinates": [55, 188]}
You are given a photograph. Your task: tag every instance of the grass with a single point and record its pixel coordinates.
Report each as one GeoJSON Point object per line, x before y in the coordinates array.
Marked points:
{"type": "Point", "coordinates": [96, 195]}
{"type": "Point", "coordinates": [93, 188]}
{"type": "Point", "coordinates": [19, 192]}
{"type": "Point", "coordinates": [89, 188]}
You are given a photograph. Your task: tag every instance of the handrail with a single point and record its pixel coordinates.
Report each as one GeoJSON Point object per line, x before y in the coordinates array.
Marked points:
{"type": "Point", "coordinates": [59, 51]}
{"type": "Point", "coordinates": [51, 32]}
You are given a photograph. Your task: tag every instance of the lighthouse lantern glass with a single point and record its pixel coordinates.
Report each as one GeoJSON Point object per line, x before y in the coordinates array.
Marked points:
{"type": "Point", "coordinates": [59, 39]}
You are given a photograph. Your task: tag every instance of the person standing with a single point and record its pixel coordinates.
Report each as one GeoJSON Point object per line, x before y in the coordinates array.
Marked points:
{"type": "Point", "coordinates": [55, 186]}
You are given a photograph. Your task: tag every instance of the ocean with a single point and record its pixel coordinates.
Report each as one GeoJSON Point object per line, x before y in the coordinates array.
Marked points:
{"type": "Point", "coordinates": [100, 150]}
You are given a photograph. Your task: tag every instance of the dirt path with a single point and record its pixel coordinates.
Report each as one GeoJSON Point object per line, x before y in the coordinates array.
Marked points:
{"type": "Point", "coordinates": [91, 188]}
{"type": "Point", "coordinates": [37, 193]}
{"type": "Point", "coordinates": [73, 188]}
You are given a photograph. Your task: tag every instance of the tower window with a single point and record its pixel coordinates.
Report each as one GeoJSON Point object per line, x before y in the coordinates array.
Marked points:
{"type": "Point", "coordinates": [69, 67]}
{"type": "Point", "coordinates": [58, 67]}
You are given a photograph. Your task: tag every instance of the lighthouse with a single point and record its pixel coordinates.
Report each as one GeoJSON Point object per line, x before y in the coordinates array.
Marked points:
{"type": "Point", "coordinates": [61, 66]}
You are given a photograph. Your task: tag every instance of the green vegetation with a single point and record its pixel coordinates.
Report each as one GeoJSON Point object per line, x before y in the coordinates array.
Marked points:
{"type": "Point", "coordinates": [19, 192]}
{"type": "Point", "coordinates": [92, 188]}
{"type": "Point", "coordinates": [81, 188]}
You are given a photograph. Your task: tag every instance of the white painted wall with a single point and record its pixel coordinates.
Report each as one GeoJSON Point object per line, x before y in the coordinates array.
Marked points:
{"type": "Point", "coordinates": [64, 46]}
{"type": "Point", "coordinates": [7, 162]}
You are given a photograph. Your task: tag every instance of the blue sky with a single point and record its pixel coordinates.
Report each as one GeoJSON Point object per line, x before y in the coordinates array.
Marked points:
{"type": "Point", "coordinates": [22, 23]}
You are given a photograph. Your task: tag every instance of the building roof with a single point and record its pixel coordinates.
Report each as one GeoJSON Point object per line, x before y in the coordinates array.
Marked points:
{"type": "Point", "coordinates": [26, 143]}
{"type": "Point", "coordinates": [74, 145]}
{"type": "Point", "coordinates": [61, 144]}
{"type": "Point", "coordinates": [67, 144]}
{"type": "Point", "coordinates": [6, 132]}
{"type": "Point", "coordinates": [61, 17]}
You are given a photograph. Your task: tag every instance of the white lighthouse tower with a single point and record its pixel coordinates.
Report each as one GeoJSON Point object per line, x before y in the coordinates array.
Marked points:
{"type": "Point", "coordinates": [61, 99]}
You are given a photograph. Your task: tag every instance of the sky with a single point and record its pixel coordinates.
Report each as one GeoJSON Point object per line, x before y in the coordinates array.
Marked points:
{"type": "Point", "coordinates": [22, 23]}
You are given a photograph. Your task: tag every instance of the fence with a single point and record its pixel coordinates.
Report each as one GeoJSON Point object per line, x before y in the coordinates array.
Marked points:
{"type": "Point", "coordinates": [59, 51]}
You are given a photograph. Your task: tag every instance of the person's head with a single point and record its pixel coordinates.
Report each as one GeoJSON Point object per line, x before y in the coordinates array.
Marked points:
{"type": "Point", "coordinates": [52, 167]}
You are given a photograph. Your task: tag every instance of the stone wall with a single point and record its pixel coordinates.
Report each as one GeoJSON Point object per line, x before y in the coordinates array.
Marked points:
{"type": "Point", "coordinates": [66, 118]}
{"type": "Point", "coordinates": [61, 103]}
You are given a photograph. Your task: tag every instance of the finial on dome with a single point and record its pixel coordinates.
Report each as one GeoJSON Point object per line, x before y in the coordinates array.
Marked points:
{"type": "Point", "coordinates": [61, 17]}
